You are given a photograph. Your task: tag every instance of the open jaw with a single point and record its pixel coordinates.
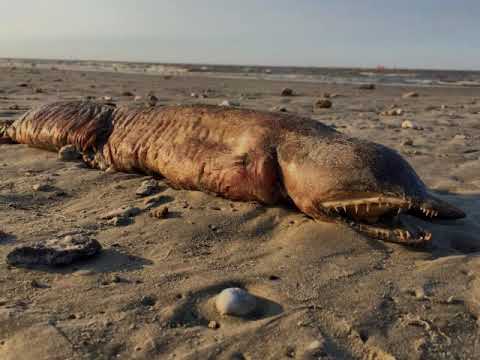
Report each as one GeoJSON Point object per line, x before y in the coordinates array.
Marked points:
{"type": "Point", "coordinates": [381, 216]}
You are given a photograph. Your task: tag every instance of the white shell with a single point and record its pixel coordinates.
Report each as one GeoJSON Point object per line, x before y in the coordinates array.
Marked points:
{"type": "Point", "coordinates": [235, 301]}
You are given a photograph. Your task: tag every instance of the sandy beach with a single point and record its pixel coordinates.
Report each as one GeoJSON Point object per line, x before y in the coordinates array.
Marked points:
{"type": "Point", "coordinates": [327, 292]}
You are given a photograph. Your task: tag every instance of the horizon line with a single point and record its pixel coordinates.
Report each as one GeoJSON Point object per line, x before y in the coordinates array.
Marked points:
{"type": "Point", "coordinates": [240, 65]}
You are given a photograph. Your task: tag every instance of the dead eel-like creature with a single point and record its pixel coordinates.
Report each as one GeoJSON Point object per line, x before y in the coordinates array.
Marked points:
{"type": "Point", "coordinates": [246, 155]}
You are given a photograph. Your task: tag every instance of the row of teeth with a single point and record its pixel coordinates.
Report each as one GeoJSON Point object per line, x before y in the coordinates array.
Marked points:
{"type": "Point", "coordinates": [404, 235]}
{"type": "Point", "coordinates": [429, 212]}
{"type": "Point", "coordinates": [367, 207]}
{"type": "Point", "coordinates": [398, 204]}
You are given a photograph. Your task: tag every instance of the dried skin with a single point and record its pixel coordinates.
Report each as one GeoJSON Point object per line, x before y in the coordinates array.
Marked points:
{"type": "Point", "coordinates": [243, 155]}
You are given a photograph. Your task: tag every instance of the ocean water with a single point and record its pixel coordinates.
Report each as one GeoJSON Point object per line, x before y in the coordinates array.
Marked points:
{"type": "Point", "coordinates": [379, 75]}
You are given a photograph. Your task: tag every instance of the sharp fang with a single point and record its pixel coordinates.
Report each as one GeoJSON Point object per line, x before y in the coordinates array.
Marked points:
{"type": "Point", "coordinates": [344, 208]}
{"type": "Point", "coordinates": [356, 208]}
{"type": "Point", "coordinates": [399, 211]}
{"type": "Point", "coordinates": [368, 207]}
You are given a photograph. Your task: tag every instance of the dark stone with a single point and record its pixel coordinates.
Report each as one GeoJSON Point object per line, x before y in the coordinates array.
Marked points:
{"type": "Point", "coordinates": [148, 300]}
{"type": "Point", "coordinates": [287, 92]}
{"type": "Point", "coordinates": [367, 87]}
{"type": "Point", "coordinates": [55, 252]}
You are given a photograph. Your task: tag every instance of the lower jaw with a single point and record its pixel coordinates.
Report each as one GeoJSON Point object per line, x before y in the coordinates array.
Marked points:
{"type": "Point", "coordinates": [405, 235]}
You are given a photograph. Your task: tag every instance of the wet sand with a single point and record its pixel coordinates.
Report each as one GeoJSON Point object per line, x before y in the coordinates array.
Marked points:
{"type": "Point", "coordinates": [329, 292]}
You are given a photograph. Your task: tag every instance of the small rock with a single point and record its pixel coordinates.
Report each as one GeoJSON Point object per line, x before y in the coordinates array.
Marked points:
{"type": "Point", "coordinates": [55, 252]}
{"type": "Point", "coordinates": [279, 109]}
{"type": "Point", "coordinates": [107, 98]}
{"type": "Point", "coordinates": [40, 187]}
{"type": "Point", "coordinates": [407, 124]}
{"type": "Point", "coordinates": [127, 93]}
{"type": "Point", "coordinates": [236, 302]}
{"type": "Point", "coordinates": [147, 188]}
{"type": "Point", "coordinates": [411, 94]}
{"type": "Point", "coordinates": [367, 87]}
{"type": "Point", "coordinates": [229, 103]}
{"type": "Point", "coordinates": [160, 213]}
{"type": "Point", "coordinates": [152, 100]}
{"type": "Point", "coordinates": [69, 153]}
{"type": "Point", "coordinates": [137, 98]}
{"type": "Point", "coordinates": [326, 95]}
{"type": "Point", "coordinates": [287, 92]}
{"type": "Point", "coordinates": [148, 300]}
{"type": "Point", "coordinates": [194, 95]}
{"type": "Point", "coordinates": [213, 325]}
{"type": "Point", "coordinates": [126, 211]}
{"type": "Point", "coordinates": [407, 142]}
{"type": "Point", "coordinates": [392, 112]}
{"type": "Point", "coordinates": [14, 107]}
{"type": "Point", "coordinates": [323, 104]}
{"type": "Point", "coordinates": [38, 91]}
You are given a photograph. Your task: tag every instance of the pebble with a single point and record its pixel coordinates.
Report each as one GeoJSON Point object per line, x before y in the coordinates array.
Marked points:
{"type": "Point", "coordinates": [236, 302]}
{"type": "Point", "coordinates": [55, 252]}
{"type": "Point", "coordinates": [367, 87]}
{"type": "Point", "coordinates": [137, 98]}
{"type": "Point", "coordinates": [107, 98]}
{"type": "Point", "coordinates": [407, 124]}
{"type": "Point", "coordinates": [148, 300]}
{"type": "Point", "coordinates": [229, 103]}
{"type": "Point", "coordinates": [392, 112]}
{"type": "Point", "coordinates": [407, 142]}
{"type": "Point", "coordinates": [287, 92]}
{"type": "Point", "coordinates": [69, 153]}
{"type": "Point", "coordinates": [279, 109]}
{"type": "Point", "coordinates": [152, 100]}
{"type": "Point", "coordinates": [213, 325]}
{"type": "Point", "coordinates": [411, 94]}
{"type": "Point", "coordinates": [125, 211]}
{"type": "Point", "coordinates": [323, 104]}
{"type": "Point", "coordinates": [127, 93]}
{"type": "Point", "coordinates": [147, 188]}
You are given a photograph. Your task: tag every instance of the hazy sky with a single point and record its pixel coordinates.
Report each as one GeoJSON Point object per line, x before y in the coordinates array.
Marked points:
{"type": "Point", "coordinates": [402, 33]}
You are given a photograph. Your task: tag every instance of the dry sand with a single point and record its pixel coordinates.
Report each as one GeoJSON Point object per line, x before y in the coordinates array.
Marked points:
{"type": "Point", "coordinates": [328, 291]}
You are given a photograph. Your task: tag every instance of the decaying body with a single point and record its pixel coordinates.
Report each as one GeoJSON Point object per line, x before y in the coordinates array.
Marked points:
{"type": "Point", "coordinates": [246, 155]}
